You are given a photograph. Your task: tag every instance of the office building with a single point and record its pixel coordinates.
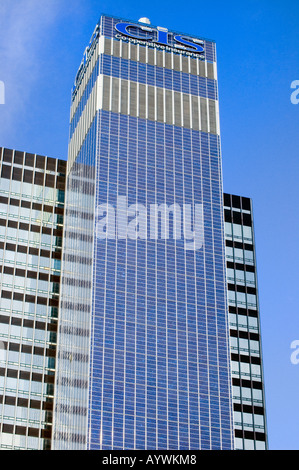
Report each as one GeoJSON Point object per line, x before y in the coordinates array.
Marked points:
{"type": "Point", "coordinates": [147, 366]}
{"type": "Point", "coordinates": [31, 220]}
{"type": "Point", "coordinates": [26, 418]}
{"type": "Point", "coordinates": [244, 322]}
{"type": "Point", "coordinates": [129, 306]}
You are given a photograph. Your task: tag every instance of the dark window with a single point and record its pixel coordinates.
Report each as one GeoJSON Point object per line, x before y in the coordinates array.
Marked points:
{"type": "Point", "coordinates": [10, 247]}
{"type": "Point", "coordinates": [35, 404]}
{"type": "Point", "coordinates": [26, 349]}
{"type": "Point", "coordinates": [20, 272]}
{"type": "Point", "coordinates": [39, 178]}
{"type": "Point", "coordinates": [19, 157]}
{"type": "Point", "coordinates": [226, 200]}
{"type": "Point", "coordinates": [12, 373]}
{"type": "Point", "coordinates": [4, 319]}
{"type": "Point", "coordinates": [246, 203]}
{"type": "Point", "coordinates": [40, 325]}
{"type": "Point", "coordinates": [40, 162]}
{"type": "Point", "coordinates": [237, 218]}
{"type": "Point", "coordinates": [26, 203]}
{"type": "Point", "coordinates": [236, 202]}
{"type": "Point", "coordinates": [247, 220]}
{"type": "Point", "coordinates": [61, 166]}
{"type": "Point", "coordinates": [8, 270]}
{"type": "Point", "coordinates": [17, 174]}
{"type": "Point", "coordinates": [33, 432]}
{"type": "Point", "coordinates": [7, 155]}
{"type": "Point", "coordinates": [57, 233]}
{"type": "Point", "coordinates": [51, 164]}
{"type": "Point", "coordinates": [14, 202]}
{"type": "Point", "coordinates": [227, 216]}
{"type": "Point", "coordinates": [48, 208]}
{"type": "Point", "coordinates": [50, 181]}
{"type": "Point", "coordinates": [36, 206]}
{"type": "Point", "coordinates": [45, 253]}
{"type": "Point", "coordinates": [10, 401]}
{"type": "Point", "coordinates": [22, 249]}
{"type": "Point", "coordinates": [42, 300]}
{"type": "Point", "coordinates": [12, 224]}
{"type": "Point", "coordinates": [20, 430]}
{"type": "Point", "coordinates": [38, 351]}
{"type": "Point", "coordinates": [18, 296]}
{"type": "Point", "coordinates": [46, 230]}
{"type": "Point", "coordinates": [61, 182]}
{"type": "Point", "coordinates": [28, 176]}
{"type": "Point", "coordinates": [22, 402]}
{"type": "Point", "coordinates": [35, 228]}
{"type": "Point", "coordinates": [24, 375]}
{"type": "Point", "coordinates": [6, 171]}
{"type": "Point", "coordinates": [28, 323]}
{"type": "Point", "coordinates": [59, 210]}
{"type": "Point", "coordinates": [24, 226]}
{"type": "Point", "coordinates": [32, 275]}
{"type": "Point", "coordinates": [7, 428]}
{"type": "Point", "coordinates": [37, 377]}
{"type": "Point", "coordinates": [29, 159]}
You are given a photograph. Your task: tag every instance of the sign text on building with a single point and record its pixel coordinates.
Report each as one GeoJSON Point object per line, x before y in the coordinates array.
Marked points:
{"type": "Point", "coordinates": [160, 37]}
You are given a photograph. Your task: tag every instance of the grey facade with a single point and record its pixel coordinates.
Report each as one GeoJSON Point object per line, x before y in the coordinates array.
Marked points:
{"type": "Point", "coordinates": [249, 404]}
{"type": "Point", "coordinates": [31, 221]}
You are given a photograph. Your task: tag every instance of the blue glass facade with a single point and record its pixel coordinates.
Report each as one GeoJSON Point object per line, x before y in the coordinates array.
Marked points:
{"type": "Point", "coordinates": [144, 121]}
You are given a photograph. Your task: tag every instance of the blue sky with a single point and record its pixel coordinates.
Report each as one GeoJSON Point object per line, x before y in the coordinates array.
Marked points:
{"type": "Point", "coordinates": [41, 46]}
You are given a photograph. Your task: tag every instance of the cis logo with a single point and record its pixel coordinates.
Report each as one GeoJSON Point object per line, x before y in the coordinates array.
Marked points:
{"type": "Point", "coordinates": [295, 94]}
{"type": "Point", "coordinates": [161, 36]}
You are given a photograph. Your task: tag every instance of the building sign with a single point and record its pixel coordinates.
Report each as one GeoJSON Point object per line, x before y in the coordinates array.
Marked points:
{"type": "Point", "coordinates": [86, 57]}
{"type": "Point", "coordinates": [160, 38]}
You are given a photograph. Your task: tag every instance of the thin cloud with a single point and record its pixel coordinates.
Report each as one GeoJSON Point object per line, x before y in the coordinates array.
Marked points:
{"type": "Point", "coordinates": [23, 31]}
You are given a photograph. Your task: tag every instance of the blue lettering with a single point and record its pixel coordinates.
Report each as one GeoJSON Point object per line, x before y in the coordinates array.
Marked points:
{"type": "Point", "coordinates": [162, 37]}
{"type": "Point", "coordinates": [189, 44]}
{"type": "Point", "coordinates": [123, 29]}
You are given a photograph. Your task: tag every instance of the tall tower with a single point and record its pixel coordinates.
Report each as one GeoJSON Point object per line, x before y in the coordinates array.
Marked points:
{"type": "Point", "coordinates": [143, 344]}
{"type": "Point", "coordinates": [245, 331]}
{"type": "Point", "coordinates": [31, 219]}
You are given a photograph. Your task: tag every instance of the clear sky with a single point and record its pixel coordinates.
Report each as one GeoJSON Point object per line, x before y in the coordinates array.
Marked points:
{"type": "Point", "coordinates": [41, 46]}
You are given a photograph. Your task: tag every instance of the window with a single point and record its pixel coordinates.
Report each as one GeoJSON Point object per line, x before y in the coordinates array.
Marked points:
{"type": "Point", "coordinates": [247, 233]}
{"type": "Point", "coordinates": [237, 231]}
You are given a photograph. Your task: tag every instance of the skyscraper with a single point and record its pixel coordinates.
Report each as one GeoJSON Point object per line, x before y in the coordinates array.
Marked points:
{"type": "Point", "coordinates": [244, 320]}
{"type": "Point", "coordinates": [31, 220]}
{"type": "Point", "coordinates": [144, 363]}
{"type": "Point", "coordinates": [32, 189]}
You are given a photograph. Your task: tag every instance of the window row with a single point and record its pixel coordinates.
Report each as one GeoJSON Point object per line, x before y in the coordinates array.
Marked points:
{"type": "Point", "coordinates": [242, 299]}
{"type": "Point", "coordinates": [244, 345]}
